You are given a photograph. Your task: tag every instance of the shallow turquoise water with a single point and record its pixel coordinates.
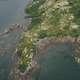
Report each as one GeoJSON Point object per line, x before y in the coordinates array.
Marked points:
{"type": "Point", "coordinates": [57, 63]}
{"type": "Point", "coordinates": [11, 12]}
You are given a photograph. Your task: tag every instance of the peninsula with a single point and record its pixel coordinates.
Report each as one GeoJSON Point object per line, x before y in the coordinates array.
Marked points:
{"type": "Point", "coordinates": [52, 22]}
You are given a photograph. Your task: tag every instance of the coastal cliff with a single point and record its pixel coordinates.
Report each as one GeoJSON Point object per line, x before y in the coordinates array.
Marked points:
{"type": "Point", "coordinates": [56, 20]}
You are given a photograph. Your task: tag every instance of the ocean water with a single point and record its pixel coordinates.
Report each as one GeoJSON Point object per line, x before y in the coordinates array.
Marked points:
{"type": "Point", "coordinates": [11, 12]}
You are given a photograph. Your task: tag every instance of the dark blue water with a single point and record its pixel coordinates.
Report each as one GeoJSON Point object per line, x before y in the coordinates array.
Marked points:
{"type": "Point", "coordinates": [57, 63]}
{"type": "Point", "coordinates": [11, 12]}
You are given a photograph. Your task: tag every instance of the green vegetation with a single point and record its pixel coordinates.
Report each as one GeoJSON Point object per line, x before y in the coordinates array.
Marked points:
{"type": "Point", "coordinates": [49, 18]}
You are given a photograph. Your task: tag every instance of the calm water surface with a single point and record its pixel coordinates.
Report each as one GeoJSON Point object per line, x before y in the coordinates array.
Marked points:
{"type": "Point", "coordinates": [11, 12]}
{"type": "Point", "coordinates": [57, 63]}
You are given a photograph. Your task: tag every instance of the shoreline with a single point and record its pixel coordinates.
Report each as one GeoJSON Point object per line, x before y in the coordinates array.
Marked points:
{"type": "Point", "coordinates": [40, 46]}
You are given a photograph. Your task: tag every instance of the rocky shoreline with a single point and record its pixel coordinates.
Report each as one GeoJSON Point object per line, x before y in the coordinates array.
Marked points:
{"type": "Point", "coordinates": [40, 46]}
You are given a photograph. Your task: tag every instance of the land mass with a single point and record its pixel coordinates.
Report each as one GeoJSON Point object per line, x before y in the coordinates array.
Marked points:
{"type": "Point", "coordinates": [52, 21]}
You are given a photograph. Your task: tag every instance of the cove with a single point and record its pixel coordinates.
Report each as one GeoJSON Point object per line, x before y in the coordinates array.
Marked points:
{"type": "Point", "coordinates": [57, 63]}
